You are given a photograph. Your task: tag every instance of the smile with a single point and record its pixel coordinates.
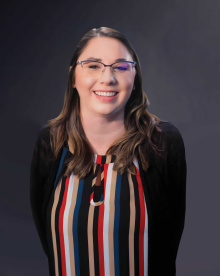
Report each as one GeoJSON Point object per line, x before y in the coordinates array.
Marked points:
{"type": "Point", "coordinates": [105, 94]}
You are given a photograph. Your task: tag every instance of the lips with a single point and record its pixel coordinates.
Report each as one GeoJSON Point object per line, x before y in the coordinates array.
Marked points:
{"type": "Point", "coordinates": [105, 96]}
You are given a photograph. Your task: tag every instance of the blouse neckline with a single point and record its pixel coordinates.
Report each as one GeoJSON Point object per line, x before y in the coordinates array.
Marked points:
{"type": "Point", "coordinates": [104, 159]}
{"type": "Point", "coordinates": [98, 158]}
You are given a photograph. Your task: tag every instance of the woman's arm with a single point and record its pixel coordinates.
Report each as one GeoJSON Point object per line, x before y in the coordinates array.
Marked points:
{"type": "Point", "coordinates": [177, 172]}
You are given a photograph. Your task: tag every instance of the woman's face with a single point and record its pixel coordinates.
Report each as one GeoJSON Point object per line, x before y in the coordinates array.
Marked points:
{"type": "Point", "coordinates": [108, 50]}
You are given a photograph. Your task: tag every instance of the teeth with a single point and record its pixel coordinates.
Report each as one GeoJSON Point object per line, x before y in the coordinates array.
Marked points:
{"type": "Point", "coordinates": [106, 94]}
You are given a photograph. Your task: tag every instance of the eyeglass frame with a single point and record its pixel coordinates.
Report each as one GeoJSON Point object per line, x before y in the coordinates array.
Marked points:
{"type": "Point", "coordinates": [105, 65]}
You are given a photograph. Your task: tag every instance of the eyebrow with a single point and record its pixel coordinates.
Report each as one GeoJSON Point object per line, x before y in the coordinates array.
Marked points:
{"type": "Point", "coordinates": [99, 59]}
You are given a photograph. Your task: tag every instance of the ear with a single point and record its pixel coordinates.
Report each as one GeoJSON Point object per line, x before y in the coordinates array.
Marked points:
{"type": "Point", "coordinates": [70, 68]}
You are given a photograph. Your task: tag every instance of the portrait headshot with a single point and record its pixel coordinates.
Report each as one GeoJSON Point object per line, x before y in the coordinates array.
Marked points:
{"type": "Point", "coordinates": [108, 178]}
{"type": "Point", "coordinates": [107, 112]}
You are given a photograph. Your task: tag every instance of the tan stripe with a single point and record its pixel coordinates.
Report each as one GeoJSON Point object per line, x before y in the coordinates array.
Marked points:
{"type": "Point", "coordinates": [55, 202]}
{"type": "Point", "coordinates": [111, 223]}
{"type": "Point", "coordinates": [132, 226]}
{"type": "Point", "coordinates": [108, 158]}
{"type": "Point", "coordinates": [70, 225]}
{"type": "Point", "coordinates": [102, 175]}
{"type": "Point", "coordinates": [90, 241]}
{"type": "Point", "coordinates": [94, 179]}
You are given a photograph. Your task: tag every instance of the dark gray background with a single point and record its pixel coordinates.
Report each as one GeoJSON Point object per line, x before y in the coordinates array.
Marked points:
{"type": "Point", "coordinates": [178, 44]}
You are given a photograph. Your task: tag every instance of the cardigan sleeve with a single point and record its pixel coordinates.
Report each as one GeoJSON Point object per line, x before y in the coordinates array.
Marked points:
{"type": "Point", "coordinates": [38, 172]}
{"type": "Point", "coordinates": [177, 173]}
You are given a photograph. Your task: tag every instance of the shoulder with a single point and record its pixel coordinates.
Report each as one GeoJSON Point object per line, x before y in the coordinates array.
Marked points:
{"type": "Point", "coordinates": [44, 134]}
{"type": "Point", "coordinates": [43, 143]}
{"type": "Point", "coordinates": [173, 141]}
{"type": "Point", "coordinates": [169, 133]}
{"type": "Point", "coordinates": [168, 139]}
{"type": "Point", "coordinates": [168, 128]}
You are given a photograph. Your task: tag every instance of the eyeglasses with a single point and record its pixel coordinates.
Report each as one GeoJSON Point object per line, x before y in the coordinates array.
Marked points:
{"type": "Point", "coordinates": [95, 68]}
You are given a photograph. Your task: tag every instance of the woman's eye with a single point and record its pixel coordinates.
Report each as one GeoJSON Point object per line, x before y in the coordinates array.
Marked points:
{"type": "Point", "coordinates": [121, 68]}
{"type": "Point", "coordinates": [93, 66]}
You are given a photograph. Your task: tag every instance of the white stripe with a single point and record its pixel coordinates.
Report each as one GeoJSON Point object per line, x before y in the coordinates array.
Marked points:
{"type": "Point", "coordinates": [106, 219]}
{"type": "Point", "coordinates": [146, 242]}
{"type": "Point", "coordinates": [136, 163]}
{"type": "Point", "coordinates": [95, 158]}
{"type": "Point", "coordinates": [65, 224]}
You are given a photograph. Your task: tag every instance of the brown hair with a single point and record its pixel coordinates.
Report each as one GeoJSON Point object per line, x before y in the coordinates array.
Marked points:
{"type": "Point", "coordinates": [139, 123]}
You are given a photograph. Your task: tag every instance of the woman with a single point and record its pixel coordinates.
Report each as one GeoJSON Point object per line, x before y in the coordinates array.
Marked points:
{"type": "Point", "coordinates": [108, 178]}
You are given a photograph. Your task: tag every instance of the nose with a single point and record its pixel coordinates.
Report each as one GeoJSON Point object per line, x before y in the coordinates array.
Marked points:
{"type": "Point", "coordinates": [107, 75]}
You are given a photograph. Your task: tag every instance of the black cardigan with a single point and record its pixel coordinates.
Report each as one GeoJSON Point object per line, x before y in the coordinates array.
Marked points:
{"type": "Point", "coordinates": [164, 186]}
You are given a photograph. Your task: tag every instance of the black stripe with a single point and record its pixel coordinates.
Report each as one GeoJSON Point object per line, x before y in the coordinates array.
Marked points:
{"type": "Point", "coordinates": [95, 239]}
{"type": "Point", "coordinates": [113, 158]}
{"type": "Point", "coordinates": [137, 224]}
{"type": "Point", "coordinates": [57, 224]}
{"type": "Point", "coordinates": [103, 159]}
{"type": "Point", "coordinates": [49, 235]}
{"type": "Point", "coordinates": [96, 170]}
{"type": "Point", "coordinates": [124, 226]}
{"type": "Point", "coordinates": [82, 228]}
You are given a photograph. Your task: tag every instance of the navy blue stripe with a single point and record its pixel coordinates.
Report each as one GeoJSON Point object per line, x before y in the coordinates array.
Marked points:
{"type": "Point", "coordinates": [75, 226]}
{"type": "Point", "coordinates": [65, 150]}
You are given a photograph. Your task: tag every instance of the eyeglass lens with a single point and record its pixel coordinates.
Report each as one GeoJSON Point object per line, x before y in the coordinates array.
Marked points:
{"type": "Point", "coordinates": [94, 68]}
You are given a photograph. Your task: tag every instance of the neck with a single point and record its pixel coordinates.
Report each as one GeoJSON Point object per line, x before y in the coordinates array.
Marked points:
{"type": "Point", "coordinates": [102, 131]}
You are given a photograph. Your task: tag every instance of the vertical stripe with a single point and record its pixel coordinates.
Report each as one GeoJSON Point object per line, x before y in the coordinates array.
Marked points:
{"type": "Point", "coordinates": [75, 226]}
{"type": "Point", "coordinates": [124, 224]}
{"type": "Point", "coordinates": [108, 158]}
{"type": "Point", "coordinates": [98, 159]}
{"type": "Point", "coordinates": [100, 231]}
{"type": "Point", "coordinates": [90, 241]}
{"type": "Point", "coordinates": [57, 215]}
{"type": "Point", "coordinates": [146, 242]}
{"type": "Point", "coordinates": [137, 224]}
{"type": "Point", "coordinates": [66, 224]}
{"type": "Point", "coordinates": [131, 227]}
{"type": "Point", "coordinates": [111, 221]}
{"type": "Point", "coordinates": [53, 212]}
{"type": "Point", "coordinates": [82, 228]}
{"type": "Point", "coordinates": [61, 234]}
{"type": "Point", "coordinates": [49, 235]}
{"type": "Point", "coordinates": [116, 224]}
{"type": "Point", "coordinates": [142, 225]}
{"type": "Point", "coordinates": [65, 150]}
{"type": "Point", "coordinates": [74, 180]}
{"type": "Point", "coordinates": [95, 240]}
{"type": "Point", "coordinates": [107, 167]}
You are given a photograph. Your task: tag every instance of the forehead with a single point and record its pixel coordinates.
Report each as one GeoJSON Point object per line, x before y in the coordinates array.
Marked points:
{"type": "Point", "coordinates": [106, 48]}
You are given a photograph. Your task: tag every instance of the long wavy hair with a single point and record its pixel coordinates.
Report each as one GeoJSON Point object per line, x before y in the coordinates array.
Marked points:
{"type": "Point", "coordinates": [139, 123]}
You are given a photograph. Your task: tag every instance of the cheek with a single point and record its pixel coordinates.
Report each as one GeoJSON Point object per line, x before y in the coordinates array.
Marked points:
{"type": "Point", "coordinates": [129, 86]}
{"type": "Point", "coordinates": [83, 83]}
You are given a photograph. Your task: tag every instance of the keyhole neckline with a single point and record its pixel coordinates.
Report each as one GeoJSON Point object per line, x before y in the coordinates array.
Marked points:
{"type": "Point", "coordinates": [104, 159]}
{"type": "Point", "coordinates": [98, 159]}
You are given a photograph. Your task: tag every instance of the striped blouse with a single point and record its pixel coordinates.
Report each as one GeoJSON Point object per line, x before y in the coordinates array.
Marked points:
{"type": "Point", "coordinates": [97, 225]}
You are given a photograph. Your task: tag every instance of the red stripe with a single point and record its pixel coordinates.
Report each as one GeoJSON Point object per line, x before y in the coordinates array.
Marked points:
{"type": "Point", "coordinates": [63, 258]}
{"type": "Point", "coordinates": [91, 196]}
{"type": "Point", "coordinates": [99, 159]}
{"type": "Point", "coordinates": [100, 228]}
{"type": "Point", "coordinates": [142, 224]}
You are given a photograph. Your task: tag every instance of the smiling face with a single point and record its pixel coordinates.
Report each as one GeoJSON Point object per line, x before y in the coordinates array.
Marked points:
{"type": "Point", "coordinates": [108, 50]}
